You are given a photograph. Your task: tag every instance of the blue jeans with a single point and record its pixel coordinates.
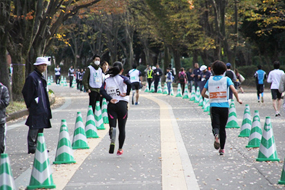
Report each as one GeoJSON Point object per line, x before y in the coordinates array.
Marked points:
{"type": "Point", "coordinates": [169, 87]}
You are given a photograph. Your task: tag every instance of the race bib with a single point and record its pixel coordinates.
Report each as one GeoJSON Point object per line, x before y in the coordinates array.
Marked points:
{"type": "Point", "coordinates": [112, 91]}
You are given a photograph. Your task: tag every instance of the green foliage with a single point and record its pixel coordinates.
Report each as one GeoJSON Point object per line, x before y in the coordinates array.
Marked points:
{"type": "Point", "coordinates": [141, 68]}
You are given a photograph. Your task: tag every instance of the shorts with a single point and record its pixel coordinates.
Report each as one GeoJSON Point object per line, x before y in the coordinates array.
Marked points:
{"type": "Point", "coordinates": [260, 88]}
{"type": "Point", "coordinates": [135, 86]}
{"type": "Point", "coordinates": [275, 94]}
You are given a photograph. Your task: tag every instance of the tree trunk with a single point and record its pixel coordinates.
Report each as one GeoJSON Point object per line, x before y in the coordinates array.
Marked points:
{"type": "Point", "coordinates": [18, 75]}
{"type": "Point", "coordinates": [177, 63]}
{"type": "Point", "coordinates": [195, 57]}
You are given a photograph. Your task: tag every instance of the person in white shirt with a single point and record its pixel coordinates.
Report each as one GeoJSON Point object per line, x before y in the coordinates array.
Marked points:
{"type": "Point", "coordinates": [135, 78]}
{"type": "Point", "coordinates": [57, 75]}
{"type": "Point", "coordinates": [274, 78]}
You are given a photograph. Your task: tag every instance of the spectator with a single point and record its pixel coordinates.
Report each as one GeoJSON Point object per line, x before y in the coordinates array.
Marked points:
{"type": "Point", "coordinates": [71, 75]}
{"type": "Point", "coordinates": [4, 102]}
{"type": "Point", "coordinates": [169, 79]}
{"type": "Point", "coordinates": [205, 75]}
{"type": "Point", "coordinates": [182, 79]}
{"type": "Point", "coordinates": [157, 74]}
{"type": "Point", "coordinates": [149, 75]}
{"type": "Point", "coordinates": [190, 79]}
{"type": "Point", "coordinates": [57, 75]}
{"type": "Point", "coordinates": [196, 75]}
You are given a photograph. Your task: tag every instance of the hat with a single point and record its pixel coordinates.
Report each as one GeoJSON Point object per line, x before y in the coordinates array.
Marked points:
{"type": "Point", "coordinates": [228, 65]}
{"type": "Point", "coordinates": [41, 61]}
{"type": "Point", "coordinates": [203, 67]}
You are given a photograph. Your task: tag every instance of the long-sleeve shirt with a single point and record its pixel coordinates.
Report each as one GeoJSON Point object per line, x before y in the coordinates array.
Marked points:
{"type": "Point", "coordinates": [274, 78]}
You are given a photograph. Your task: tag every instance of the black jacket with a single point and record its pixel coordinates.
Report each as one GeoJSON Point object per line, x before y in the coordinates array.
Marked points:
{"type": "Point", "coordinates": [36, 99]}
{"type": "Point", "coordinates": [4, 102]}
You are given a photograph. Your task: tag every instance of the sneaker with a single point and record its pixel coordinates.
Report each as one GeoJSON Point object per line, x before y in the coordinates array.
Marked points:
{"type": "Point", "coordinates": [221, 151]}
{"type": "Point", "coordinates": [217, 142]}
{"type": "Point", "coordinates": [136, 104]}
{"type": "Point", "coordinates": [262, 99]}
{"type": "Point", "coordinates": [258, 101]}
{"type": "Point", "coordinates": [277, 115]}
{"type": "Point", "coordinates": [120, 152]}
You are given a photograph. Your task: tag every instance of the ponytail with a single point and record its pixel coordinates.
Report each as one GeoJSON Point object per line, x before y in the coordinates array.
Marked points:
{"type": "Point", "coordinates": [116, 69]}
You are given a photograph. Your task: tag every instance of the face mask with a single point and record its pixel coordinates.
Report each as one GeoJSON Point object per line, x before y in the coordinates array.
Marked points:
{"type": "Point", "coordinates": [97, 62]}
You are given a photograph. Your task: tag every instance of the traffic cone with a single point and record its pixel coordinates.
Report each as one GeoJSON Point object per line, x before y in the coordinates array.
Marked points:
{"type": "Point", "coordinates": [192, 97]}
{"type": "Point", "coordinates": [197, 96]}
{"type": "Point", "coordinates": [267, 148]}
{"type": "Point", "coordinates": [48, 82]}
{"type": "Point", "coordinates": [64, 82]}
{"type": "Point", "coordinates": [171, 90]}
{"type": "Point", "coordinates": [246, 123]}
{"type": "Point", "coordinates": [64, 152]}
{"type": "Point", "coordinates": [51, 79]}
{"type": "Point", "coordinates": [232, 118]}
{"type": "Point", "coordinates": [255, 133]}
{"type": "Point", "coordinates": [41, 177]}
{"type": "Point", "coordinates": [178, 91]}
{"type": "Point", "coordinates": [98, 117]}
{"type": "Point", "coordinates": [105, 112]}
{"type": "Point", "coordinates": [6, 177]}
{"type": "Point", "coordinates": [90, 127]}
{"type": "Point", "coordinates": [165, 90]}
{"type": "Point", "coordinates": [207, 105]}
{"type": "Point", "coordinates": [186, 94]}
{"type": "Point", "coordinates": [152, 87]}
{"type": "Point", "coordinates": [159, 89]}
{"type": "Point", "coordinates": [282, 179]}
{"type": "Point", "coordinates": [201, 101]}
{"type": "Point", "coordinates": [146, 88]}
{"type": "Point", "coordinates": [79, 137]}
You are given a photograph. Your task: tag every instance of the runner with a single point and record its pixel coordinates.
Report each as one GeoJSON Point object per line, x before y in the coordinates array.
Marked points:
{"type": "Point", "coordinates": [260, 75]}
{"type": "Point", "coordinates": [116, 90]}
{"type": "Point", "coordinates": [135, 78]}
{"type": "Point", "coordinates": [217, 86]}
{"type": "Point", "coordinates": [274, 78]}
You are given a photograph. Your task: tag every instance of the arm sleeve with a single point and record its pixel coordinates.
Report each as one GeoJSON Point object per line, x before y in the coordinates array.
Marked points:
{"type": "Point", "coordinates": [4, 101]}
{"type": "Point", "coordinates": [28, 91]}
{"type": "Point", "coordinates": [104, 93]}
{"type": "Point", "coordinates": [86, 79]}
{"type": "Point", "coordinates": [128, 83]}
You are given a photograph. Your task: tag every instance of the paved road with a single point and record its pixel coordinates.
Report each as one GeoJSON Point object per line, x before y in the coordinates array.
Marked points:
{"type": "Point", "coordinates": [169, 145]}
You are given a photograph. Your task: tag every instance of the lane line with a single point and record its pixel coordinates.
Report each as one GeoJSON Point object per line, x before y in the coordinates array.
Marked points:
{"type": "Point", "coordinates": [177, 170]}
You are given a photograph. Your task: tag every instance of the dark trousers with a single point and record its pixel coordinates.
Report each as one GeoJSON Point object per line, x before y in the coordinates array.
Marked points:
{"type": "Point", "coordinates": [2, 137]}
{"type": "Point", "coordinates": [156, 81]}
{"type": "Point", "coordinates": [118, 111]}
{"type": "Point", "coordinates": [70, 81]}
{"type": "Point", "coordinates": [196, 83]}
{"type": "Point", "coordinates": [182, 87]}
{"type": "Point", "coordinates": [78, 84]}
{"type": "Point", "coordinates": [57, 79]}
{"type": "Point", "coordinates": [219, 118]}
{"type": "Point", "coordinates": [93, 98]}
{"type": "Point", "coordinates": [32, 138]}
{"type": "Point", "coordinates": [149, 81]}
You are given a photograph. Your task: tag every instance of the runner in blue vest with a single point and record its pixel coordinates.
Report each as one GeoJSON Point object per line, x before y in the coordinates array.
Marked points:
{"type": "Point", "coordinates": [135, 78]}
{"type": "Point", "coordinates": [217, 87]}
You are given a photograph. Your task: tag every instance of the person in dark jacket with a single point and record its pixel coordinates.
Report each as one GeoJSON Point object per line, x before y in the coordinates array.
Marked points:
{"type": "Point", "coordinates": [190, 79]}
{"type": "Point", "coordinates": [36, 98]}
{"type": "Point", "coordinates": [157, 74]}
{"type": "Point", "coordinates": [205, 75]}
{"type": "Point", "coordinates": [4, 102]}
{"type": "Point", "coordinates": [196, 75]}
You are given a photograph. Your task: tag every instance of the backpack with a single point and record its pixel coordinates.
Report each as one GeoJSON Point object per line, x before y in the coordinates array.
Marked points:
{"type": "Point", "coordinates": [181, 76]}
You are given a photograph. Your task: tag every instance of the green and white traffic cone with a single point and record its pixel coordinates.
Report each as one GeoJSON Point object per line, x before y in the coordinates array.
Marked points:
{"type": "Point", "coordinates": [246, 123]}
{"type": "Point", "coordinates": [64, 152]}
{"type": "Point", "coordinates": [48, 82]}
{"type": "Point", "coordinates": [51, 79]}
{"type": "Point", "coordinates": [201, 101]}
{"type": "Point", "coordinates": [193, 94]}
{"type": "Point", "coordinates": [105, 112]}
{"type": "Point", "coordinates": [207, 105]}
{"type": "Point", "coordinates": [165, 90]}
{"type": "Point", "coordinates": [90, 126]}
{"type": "Point", "coordinates": [282, 179]}
{"type": "Point", "coordinates": [79, 137]}
{"type": "Point", "coordinates": [6, 177]}
{"type": "Point", "coordinates": [171, 90]}
{"type": "Point", "coordinates": [267, 148]}
{"type": "Point", "coordinates": [152, 87]}
{"type": "Point", "coordinates": [256, 132]}
{"type": "Point", "coordinates": [41, 177]}
{"type": "Point", "coordinates": [73, 82]}
{"type": "Point", "coordinates": [232, 118]}
{"type": "Point", "coordinates": [186, 94]}
{"type": "Point", "coordinates": [146, 88]}
{"type": "Point", "coordinates": [98, 117]}
{"type": "Point", "coordinates": [179, 93]}
{"type": "Point", "coordinates": [197, 96]}
{"type": "Point", "coordinates": [64, 82]}
{"type": "Point", "coordinates": [159, 89]}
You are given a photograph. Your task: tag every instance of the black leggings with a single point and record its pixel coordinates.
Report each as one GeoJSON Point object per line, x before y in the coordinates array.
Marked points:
{"type": "Point", "coordinates": [93, 98]}
{"type": "Point", "coordinates": [219, 118]}
{"type": "Point", "coordinates": [118, 111]}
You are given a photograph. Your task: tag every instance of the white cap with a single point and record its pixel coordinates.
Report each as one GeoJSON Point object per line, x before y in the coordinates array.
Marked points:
{"type": "Point", "coordinates": [203, 67]}
{"type": "Point", "coordinates": [41, 61]}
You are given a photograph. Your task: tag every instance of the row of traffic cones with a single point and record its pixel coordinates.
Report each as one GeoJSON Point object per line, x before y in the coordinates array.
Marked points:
{"type": "Point", "coordinates": [41, 176]}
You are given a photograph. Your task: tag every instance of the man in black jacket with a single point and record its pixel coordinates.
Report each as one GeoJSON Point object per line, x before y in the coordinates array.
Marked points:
{"type": "Point", "coordinates": [36, 99]}
{"type": "Point", "coordinates": [4, 102]}
{"type": "Point", "coordinates": [157, 74]}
